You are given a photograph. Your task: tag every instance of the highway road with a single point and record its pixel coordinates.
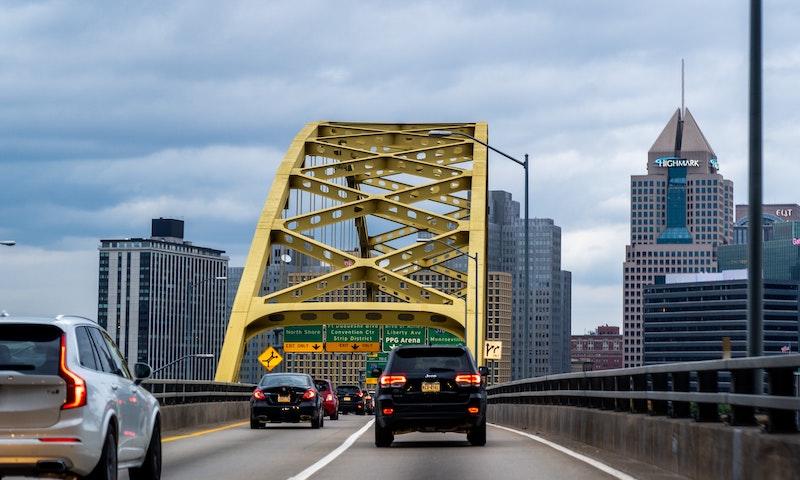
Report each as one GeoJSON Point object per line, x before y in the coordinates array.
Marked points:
{"type": "Point", "coordinates": [287, 451]}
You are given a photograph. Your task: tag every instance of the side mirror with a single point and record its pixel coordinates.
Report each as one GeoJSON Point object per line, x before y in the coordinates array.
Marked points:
{"type": "Point", "coordinates": [484, 371]}
{"type": "Point", "coordinates": [376, 372]}
{"type": "Point", "coordinates": [141, 371]}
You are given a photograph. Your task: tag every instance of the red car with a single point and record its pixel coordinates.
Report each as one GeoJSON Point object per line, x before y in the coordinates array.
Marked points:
{"type": "Point", "coordinates": [330, 402]}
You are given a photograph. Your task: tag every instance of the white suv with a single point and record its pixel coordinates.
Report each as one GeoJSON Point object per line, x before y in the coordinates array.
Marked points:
{"type": "Point", "coordinates": [69, 406]}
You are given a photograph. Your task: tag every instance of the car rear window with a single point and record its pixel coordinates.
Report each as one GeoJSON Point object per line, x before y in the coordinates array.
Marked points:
{"type": "Point", "coordinates": [347, 389]}
{"type": "Point", "coordinates": [30, 349]}
{"type": "Point", "coordinates": [269, 381]}
{"type": "Point", "coordinates": [430, 360]}
{"type": "Point", "coordinates": [321, 386]}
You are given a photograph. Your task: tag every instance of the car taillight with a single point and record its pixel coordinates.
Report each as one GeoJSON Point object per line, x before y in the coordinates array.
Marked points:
{"type": "Point", "coordinates": [388, 411]}
{"type": "Point", "coordinates": [259, 395]}
{"type": "Point", "coordinates": [76, 386]}
{"type": "Point", "coordinates": [468, 379]}
{"type": "Point", "coordinates": [393, 380]}
{"type": "Point", "coordinates": [473, 410]}
{"type": "Point", "coordinates": [329, 398]}
{"type": "Point", "coordinates": [309, 394]}
{"type": "Point", "coordinates": [359, 394]}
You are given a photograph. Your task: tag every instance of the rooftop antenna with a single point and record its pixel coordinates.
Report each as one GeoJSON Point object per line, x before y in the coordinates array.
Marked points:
{"type": "Point", "coordinates": [683, 109]}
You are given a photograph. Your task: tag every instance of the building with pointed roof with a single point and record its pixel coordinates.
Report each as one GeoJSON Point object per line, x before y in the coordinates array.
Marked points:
{"type": "Point", "coordinates": [681, 211]}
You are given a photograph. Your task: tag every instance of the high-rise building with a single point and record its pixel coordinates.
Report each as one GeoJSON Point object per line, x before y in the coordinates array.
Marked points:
{"type": "Point", "coordinates": [770, 215]}
{"type": "Point", "coordinates": [599, 350]}
{"type": "Point", "coordinates": [498, 324]}
{"type": "Point", "coordinates": [540, 339]}
{"type": "Point", "coordinates": [163, 298]}
{"type": "Point", "coordinates": [781, 253]}
{"type": "Point", "coordinates": [686, 316]}
{"type": "Point", "coordinates": [681, 211]}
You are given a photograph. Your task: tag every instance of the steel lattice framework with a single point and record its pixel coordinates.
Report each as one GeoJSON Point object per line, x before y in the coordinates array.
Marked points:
{"type": "Point", "coordinates": [390, 172]}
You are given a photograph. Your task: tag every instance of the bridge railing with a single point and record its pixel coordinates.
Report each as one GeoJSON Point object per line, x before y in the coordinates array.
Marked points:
{"type": "Point", "coordinates": [678, 390]}
{"type": "Point", "coordinates": [179, 392]}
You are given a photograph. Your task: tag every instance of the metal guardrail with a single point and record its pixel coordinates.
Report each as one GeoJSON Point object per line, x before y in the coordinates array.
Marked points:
{"type": "Point", "coordinates": [677, 390]}
{"type": "Point", "coordinates": [180, 392]}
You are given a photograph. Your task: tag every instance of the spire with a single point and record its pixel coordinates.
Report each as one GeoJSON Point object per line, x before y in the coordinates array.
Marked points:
{"type": "Point", "coordinates": [693, 139]}
{"type": "Point", "coordinates": [666, 141]}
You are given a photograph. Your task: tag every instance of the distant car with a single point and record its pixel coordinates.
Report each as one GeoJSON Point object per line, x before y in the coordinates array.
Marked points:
{"type": "Point", "coordinates": [351, 399]}
{"type": "Point", "coordinates": [430, 389]}
{"type": "Point", "coordinates": [286, 397]}
{"type": "Point", "coordinates": [369, 402]}
{"type": "Point", "coordinates": [69, 405]}
{"type": "Point", "coordinates": [330, 402]}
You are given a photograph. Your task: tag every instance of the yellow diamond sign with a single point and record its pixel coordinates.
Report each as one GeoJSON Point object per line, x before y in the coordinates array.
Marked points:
{"type": "Point", "coordinates": [270, 358]}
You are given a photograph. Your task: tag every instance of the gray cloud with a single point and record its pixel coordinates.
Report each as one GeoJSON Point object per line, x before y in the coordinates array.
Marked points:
{"type": "Point", "coordinates": [112, 115]}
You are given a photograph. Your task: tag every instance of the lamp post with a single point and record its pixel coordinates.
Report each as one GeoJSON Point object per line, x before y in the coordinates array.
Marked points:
{"type": "Point", "coordinates": [8, 243]}
{"type": "Point", "coordinates": [190, 311]}
{"type": "Point", "coordinates": [524, 164]}
{"type": "Point", "coordinates": [191, 355]}
{"type": "Point", "coordinates": [475, 259]}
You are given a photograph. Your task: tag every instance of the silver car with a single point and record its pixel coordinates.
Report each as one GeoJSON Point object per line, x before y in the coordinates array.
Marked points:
{"type": "Point", "coordinates": [69, 406]}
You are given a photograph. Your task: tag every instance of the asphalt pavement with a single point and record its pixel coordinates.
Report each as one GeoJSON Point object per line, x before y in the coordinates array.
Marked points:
{"type": "Point", "coordinates": [283, 451]}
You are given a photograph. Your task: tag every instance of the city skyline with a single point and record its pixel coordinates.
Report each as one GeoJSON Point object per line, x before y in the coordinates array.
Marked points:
{"type": "Point", "coordinates": [195, 133]}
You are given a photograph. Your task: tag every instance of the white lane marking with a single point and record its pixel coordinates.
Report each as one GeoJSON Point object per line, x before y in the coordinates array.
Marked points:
{"type": "Point", "coordinates": [332, 456]}
{"type": "Point", "coordinates": [598, 465]}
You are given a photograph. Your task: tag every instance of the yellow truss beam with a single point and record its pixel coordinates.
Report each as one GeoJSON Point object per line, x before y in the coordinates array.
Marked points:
{"type": "Point", "coordinates": [359, 158]}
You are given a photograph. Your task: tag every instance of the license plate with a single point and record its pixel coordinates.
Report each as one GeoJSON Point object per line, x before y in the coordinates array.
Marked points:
{"type": "Point", "coordinates": [346, 399]}
{"type": "Point", "coordinates": [430, 387]}
{"type": "Point", "coordinates": [284, 398]}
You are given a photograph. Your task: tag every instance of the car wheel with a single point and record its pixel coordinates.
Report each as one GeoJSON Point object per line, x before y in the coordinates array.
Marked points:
{"type": "Point", "coordinates": [383, 436]}
{"type": "Point", "coordinates": [317, 422]}
{"type": "Point", "coordinates": [151, 467]}
{"type": "Point", "coordinates": [255, 424]}
{"type": "Point", "coordinates": [477, 435]}
{"type": "Point", "coordinates": [106, 468]}
{"type": "Point", "coordinates": [335, 416]}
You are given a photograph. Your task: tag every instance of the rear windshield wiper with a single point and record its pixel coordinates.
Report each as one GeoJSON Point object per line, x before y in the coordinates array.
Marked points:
{"type": "Point", "coordinates": [17, 366]}
{"type": "Point", "coordinates": [441, 369]}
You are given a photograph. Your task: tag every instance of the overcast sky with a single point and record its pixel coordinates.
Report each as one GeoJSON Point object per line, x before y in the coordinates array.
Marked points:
{"type": "Point", "coordinates": [114, 113]}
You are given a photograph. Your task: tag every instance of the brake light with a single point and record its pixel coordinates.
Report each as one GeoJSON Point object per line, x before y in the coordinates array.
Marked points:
{"type": "Point", "coordinates": [393, 380]}
{"type": "Point", "coordinates": [473, 410]}
{"type": "Point", "coordinates": [388, 411]}
{"type": "Point", "coordinates": [329, 398]}
{"type": "Point", "coordinates": [60, 440]}
{"type": "Point", "coordinates": [76, 386]}
{"type": "Point", "coordinates": [468, 379]}
{"type": "Point", "coordinates": [309, 394]}
{"type": "Point", "coordinates": [360, 394]}
{"type": "Point", "coordinates": [259, 395]}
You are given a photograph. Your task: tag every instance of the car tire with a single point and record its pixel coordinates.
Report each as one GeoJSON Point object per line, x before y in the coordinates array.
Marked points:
{"type": "Point", "coordinates": [317, 422]}
{"type": "Point", "coordinates": [151, 467]}
{"type": "Point", "coordinates": [477, 435]}
{"type": "Point", "coordinates": [255, 424]}
{"type": "Point", "coordinates": [335, 416]}
{"type": "Point", "coordinates": [383, 436]}
{"type": "Point", "coordinates": [106, 468]}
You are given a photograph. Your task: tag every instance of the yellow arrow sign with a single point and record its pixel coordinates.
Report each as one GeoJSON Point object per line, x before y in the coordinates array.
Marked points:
{"type": "Point", "coordinates": [303, 347]}
{"type": "Point", "coordinates": [270, 358]}
{"type": "Point", "coordinates": [353, 347]}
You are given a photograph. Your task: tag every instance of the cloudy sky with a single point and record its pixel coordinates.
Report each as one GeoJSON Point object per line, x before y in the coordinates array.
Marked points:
{"type": "Point", "coordinates": [114, 113]}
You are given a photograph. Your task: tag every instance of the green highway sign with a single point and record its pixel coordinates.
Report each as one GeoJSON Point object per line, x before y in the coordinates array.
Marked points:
{"type": "Point", "coordinates": [353, 333]}
{"type": "Point", "coordinates": [397, 335]}
{"type": "Point", "coordinates": [376, 360]}
{"type": "Point", "coordinates": [437, 336]}
{"type": "Point", "coordinates": [312, 333]}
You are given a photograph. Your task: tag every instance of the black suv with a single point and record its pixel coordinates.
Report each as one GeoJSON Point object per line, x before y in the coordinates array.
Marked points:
{"type": "Point", "coordinates": [430, 389]}
{"type": "Point", "coordinates": [351, 399]}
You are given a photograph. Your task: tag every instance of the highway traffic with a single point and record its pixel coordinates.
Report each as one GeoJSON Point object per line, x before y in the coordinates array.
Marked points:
{"type": "Point", "coordinates": [296, 451]}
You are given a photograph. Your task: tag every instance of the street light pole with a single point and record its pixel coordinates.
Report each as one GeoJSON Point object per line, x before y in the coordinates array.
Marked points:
{"type": "Point", "coordinates": [477, 277]}
{"type": "Point", "coordinates": [524, 164]}
{"type": "Point", "coordinates": [191, 355]}
{"type": "Point", "coordinates": [189, 310]}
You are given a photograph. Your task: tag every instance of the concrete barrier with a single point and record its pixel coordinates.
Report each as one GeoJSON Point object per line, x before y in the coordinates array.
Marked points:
{"type": "Point", "coordinates": [179, 417]}
{"type": "Point", "coordinates": [696, 450]}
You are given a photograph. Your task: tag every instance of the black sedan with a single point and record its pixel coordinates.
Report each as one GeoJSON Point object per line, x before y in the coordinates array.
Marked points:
{"type": "Point", "coordinates": [286, 397]}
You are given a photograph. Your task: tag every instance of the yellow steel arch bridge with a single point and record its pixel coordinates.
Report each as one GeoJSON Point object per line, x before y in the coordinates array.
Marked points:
{"type": "Point", "coordinates": [378, 185]}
